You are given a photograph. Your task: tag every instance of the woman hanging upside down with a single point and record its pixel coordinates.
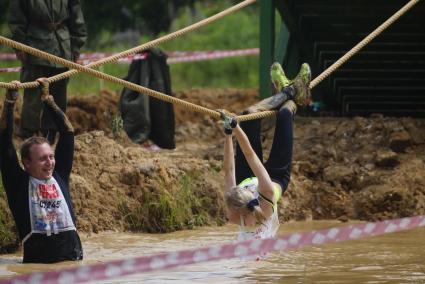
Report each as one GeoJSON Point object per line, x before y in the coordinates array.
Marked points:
{"type": "Point", "coordinates": [252, 189]}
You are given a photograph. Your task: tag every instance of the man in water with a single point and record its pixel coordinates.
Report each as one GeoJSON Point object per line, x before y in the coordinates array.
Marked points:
{"type": "Point", "coordinates": [38, 195]}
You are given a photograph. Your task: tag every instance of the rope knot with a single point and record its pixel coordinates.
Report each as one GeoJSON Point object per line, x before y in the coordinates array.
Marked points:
{"type": "Point", "coordinates": [16, 84]}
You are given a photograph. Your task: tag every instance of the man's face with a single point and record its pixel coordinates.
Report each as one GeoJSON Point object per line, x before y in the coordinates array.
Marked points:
{"type": "Point", "coordinates": [41, 163]}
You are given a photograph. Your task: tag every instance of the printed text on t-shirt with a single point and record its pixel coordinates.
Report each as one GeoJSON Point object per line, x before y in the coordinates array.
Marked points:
{"type": "Point", "coordinates": [47, 191]}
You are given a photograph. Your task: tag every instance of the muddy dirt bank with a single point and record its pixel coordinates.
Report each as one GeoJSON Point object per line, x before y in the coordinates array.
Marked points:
{"type": "Point", "coordinates": [344, 168]}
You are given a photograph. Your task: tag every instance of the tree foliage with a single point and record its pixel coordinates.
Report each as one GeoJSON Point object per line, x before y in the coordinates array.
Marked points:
{"type": "Point", "coordinates": [147, 16]}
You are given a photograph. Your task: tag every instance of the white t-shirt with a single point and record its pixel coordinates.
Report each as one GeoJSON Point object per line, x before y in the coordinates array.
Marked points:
{"type": "Point", "coordinates": [49, 211]}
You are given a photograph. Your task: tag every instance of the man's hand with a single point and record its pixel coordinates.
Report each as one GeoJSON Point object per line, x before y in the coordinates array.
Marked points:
{"type": "Point", "coordinates": [12, 94]}
{"type": "Point", "coordinates": [22, 56]}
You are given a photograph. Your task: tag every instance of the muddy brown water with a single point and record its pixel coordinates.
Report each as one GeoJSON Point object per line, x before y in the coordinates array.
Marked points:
{"type": "Point", "coordinates": [392, 258]}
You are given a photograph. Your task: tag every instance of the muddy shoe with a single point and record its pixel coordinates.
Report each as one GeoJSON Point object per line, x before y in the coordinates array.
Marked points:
{"type": "Point", "coordinates": [301, 84]}
{"type": "Point", "coordinates": [279, 81]}
{"type": "Point", "coordinates": [278, 77]}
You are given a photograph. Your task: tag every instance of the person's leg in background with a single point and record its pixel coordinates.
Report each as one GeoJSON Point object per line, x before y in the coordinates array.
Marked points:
{"type": "Point", "coordinates": [31, 107]}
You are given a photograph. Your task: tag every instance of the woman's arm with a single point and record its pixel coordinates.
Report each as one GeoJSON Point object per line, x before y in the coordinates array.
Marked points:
{"type": "Point", "coordinates": [265, 184]}
{"type": "Point", "coordinates": [229, 163]}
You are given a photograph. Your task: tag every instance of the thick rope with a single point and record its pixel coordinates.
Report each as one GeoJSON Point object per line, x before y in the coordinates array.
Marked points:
{"type": "Point", "coordinates": [81, 68]}
{"type": "Point", "coordinates": [257, 115]}
{"type": "Point", "coordinates": [343, 59]}
{"type": "Point", "coordinates": [44, 87]}
{"type": "Point", "coordinates": [147, 45]}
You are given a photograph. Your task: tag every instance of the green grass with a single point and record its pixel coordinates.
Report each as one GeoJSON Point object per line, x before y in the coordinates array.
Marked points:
{"type": "Point", "coordinates": [79, 84]}
{"type": "Point", "coordinates": [236, 31]}
{"type": "Point", "coordinates": [166, 208]}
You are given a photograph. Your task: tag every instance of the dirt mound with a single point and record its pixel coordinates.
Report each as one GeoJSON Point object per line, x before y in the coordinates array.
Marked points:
{"type": "Point", "coordinates": [361, 168]}
{"type": "Point", "coordinates": [130, 188]}
{"type": "Point", "coordinates": [114, 182]}
{"type": "Point", "coordinates": [346, 168]}
{"type": "Point", "coordinates": [93, 112]}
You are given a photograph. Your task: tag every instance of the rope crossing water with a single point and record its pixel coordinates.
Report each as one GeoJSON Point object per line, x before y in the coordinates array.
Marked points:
{"type": "Point", "coordinates": [87, 69]}
{"type": "Point", "coordinates": [251, 248]}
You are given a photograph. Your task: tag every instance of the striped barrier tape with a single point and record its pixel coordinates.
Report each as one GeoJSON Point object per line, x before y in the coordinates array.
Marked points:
{"type": "Point", "coordinates": [173, 57]}
{"type": "Point", "coordinates": [251, 248]}
{"type": "Point", "coordinates": [210, 55]}
{"type": "Point", "coordinates": [10, 70]}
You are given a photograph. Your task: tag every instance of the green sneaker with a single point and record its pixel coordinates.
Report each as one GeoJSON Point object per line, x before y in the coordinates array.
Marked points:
{"type": "Point", "coordinates": [273, 102]}
{"type": "Point", "coordinates": [278, 77]}
{"type": "Point", "coordinates": [301, 84]}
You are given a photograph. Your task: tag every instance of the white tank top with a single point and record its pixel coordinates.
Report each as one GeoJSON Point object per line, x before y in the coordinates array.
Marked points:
{"type": "Point", "coordinates": [268, 228]}
{"type": "Point", "coordinates": [49, 211]}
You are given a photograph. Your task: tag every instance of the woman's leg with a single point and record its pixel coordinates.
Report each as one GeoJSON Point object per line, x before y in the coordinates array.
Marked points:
{"type": "Point", "coordinates": [252, 129]}
{"type": "Point", "coordinates": [279, 163]}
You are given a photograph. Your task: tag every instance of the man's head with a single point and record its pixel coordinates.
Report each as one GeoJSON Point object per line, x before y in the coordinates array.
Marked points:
{"type": "Point", "coordinates": [38, 157]}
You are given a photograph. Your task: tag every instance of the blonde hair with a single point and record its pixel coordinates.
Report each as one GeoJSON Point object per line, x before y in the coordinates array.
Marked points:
{"type": "Point", "coordinates": [237, 198]}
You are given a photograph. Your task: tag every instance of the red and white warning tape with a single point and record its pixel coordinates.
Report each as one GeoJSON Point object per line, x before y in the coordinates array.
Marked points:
{"type": "Point", "coordinates": [173, 57]}
{"type": "Point", "coordinates": [10, 70]}
{"type": "Point", "coordinates": [244, 249]}
{"type": "Point", "coordinates": [210, 55]}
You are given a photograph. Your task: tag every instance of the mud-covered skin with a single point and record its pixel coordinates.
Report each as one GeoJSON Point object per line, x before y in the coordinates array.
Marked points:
{"type": "Point", "coordinates": [51, 102]}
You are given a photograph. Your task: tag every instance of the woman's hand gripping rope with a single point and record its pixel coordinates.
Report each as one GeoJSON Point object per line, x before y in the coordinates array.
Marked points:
{"type": "Point", "coordinates": [229, 121]}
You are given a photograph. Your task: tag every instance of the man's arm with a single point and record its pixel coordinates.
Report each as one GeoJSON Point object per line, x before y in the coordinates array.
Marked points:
{"type": "Point", "coordinates": [64, 153]}
{"type": "Point", "coordinates": [10, 168]}
{"type": "Point", "coordinates": [18, 24]}
{"type": "Point", "coordinates": [77, 28]}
